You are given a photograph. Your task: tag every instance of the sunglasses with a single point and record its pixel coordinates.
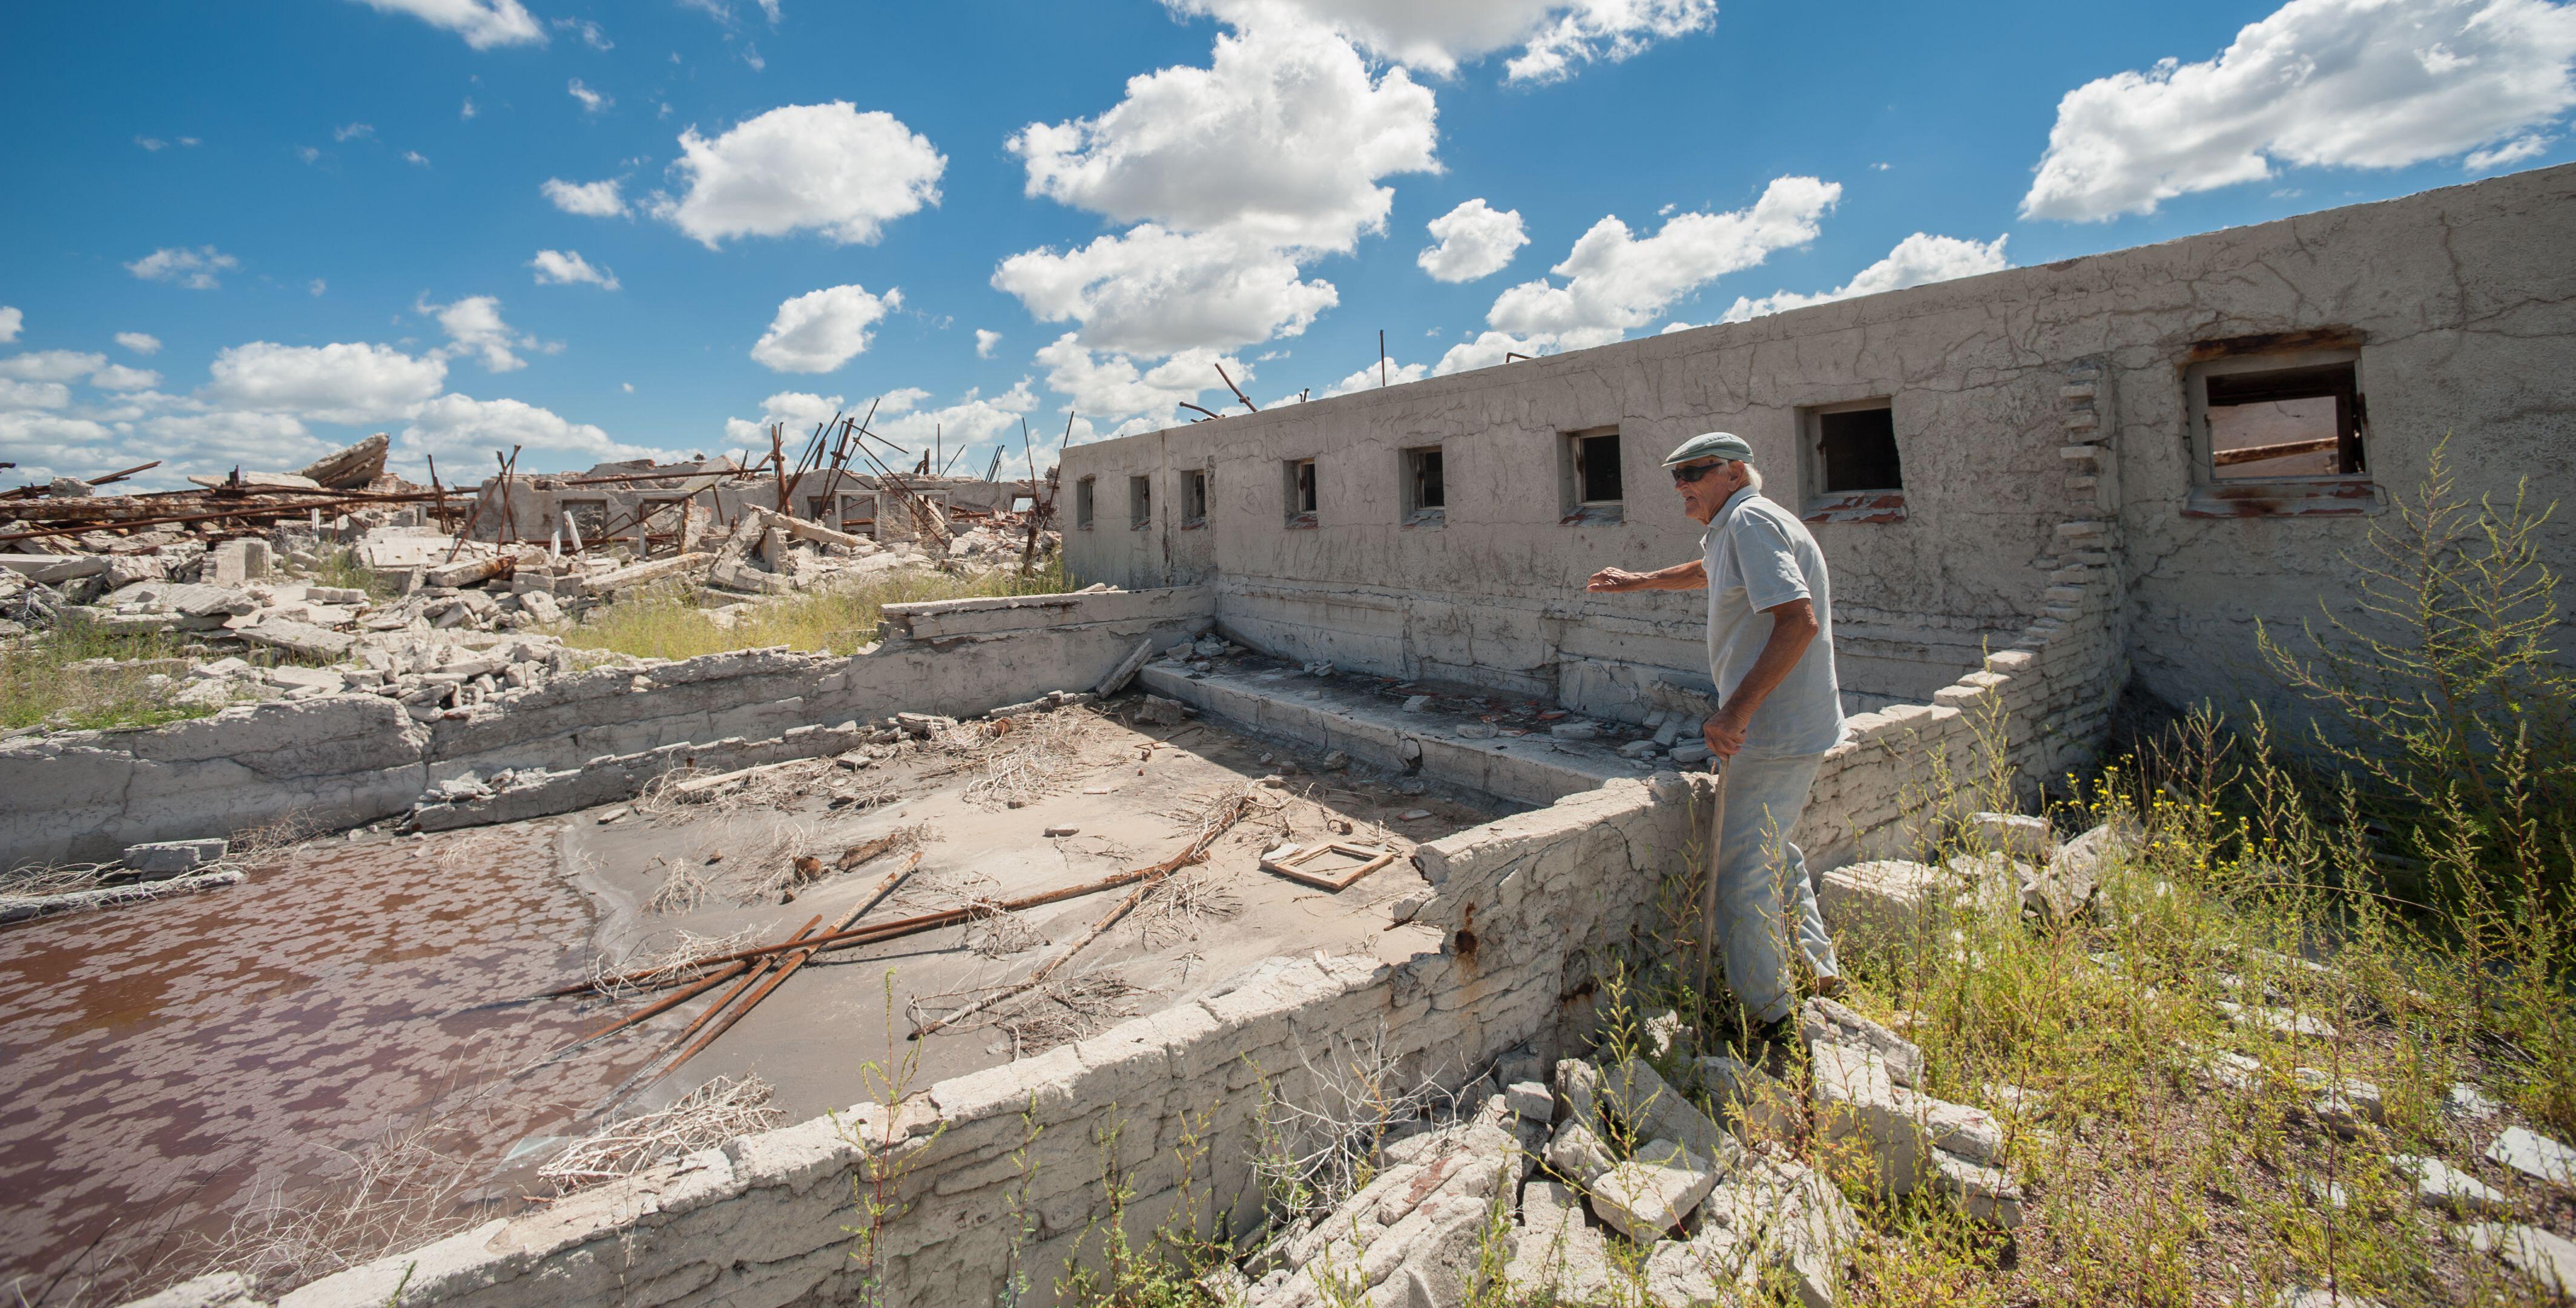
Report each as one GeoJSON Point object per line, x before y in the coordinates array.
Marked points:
{"type": "Point", "coordinates": [1685, 476]}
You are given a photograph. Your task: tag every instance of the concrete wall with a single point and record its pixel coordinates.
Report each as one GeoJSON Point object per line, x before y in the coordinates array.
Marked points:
{"type": "Point", "coordinates": [344, 760]}
{"type": "Point", "coordinates": [2463, 301]}
{"type": "Point", "coordinates": [769, 1219]}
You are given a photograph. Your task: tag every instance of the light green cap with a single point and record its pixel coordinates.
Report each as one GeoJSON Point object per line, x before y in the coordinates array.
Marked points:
{"type": "Point", "coordinates": [1710, 445]}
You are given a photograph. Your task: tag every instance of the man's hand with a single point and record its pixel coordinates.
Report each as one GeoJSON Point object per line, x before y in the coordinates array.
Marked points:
{"type": "Point", "coordinates": [1724, 731]}
{"type": "Point", "coordinates": [1680, 576]}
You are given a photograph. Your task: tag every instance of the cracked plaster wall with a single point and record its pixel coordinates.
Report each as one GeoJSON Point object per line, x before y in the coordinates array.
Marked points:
{"type": "Point", "coordinates": [2465, 299]}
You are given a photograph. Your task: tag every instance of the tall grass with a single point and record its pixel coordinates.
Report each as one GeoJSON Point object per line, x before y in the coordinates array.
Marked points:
{"type": "Point", "coordinates": [42, 684]}
{"type": "Point", "coordinates": [670, 623]}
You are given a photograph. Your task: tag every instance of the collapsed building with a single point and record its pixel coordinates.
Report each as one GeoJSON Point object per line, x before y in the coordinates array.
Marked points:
{"type": "Point", "coordinates": [2036, 488]}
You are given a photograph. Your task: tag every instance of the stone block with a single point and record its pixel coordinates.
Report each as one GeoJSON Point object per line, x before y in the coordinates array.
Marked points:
{"type": "Point", "coordinates": [1554, 1251]}
{"type": "Point", "coordinates": [2440, 1185]}
{"type": "Point", "coordinates": [2536, 1156]}
{"type": "Point", "coordinates": [1749, 1101]}
{"type": "Point", "coordinates": [1650, 1194]}
{"type": "Point", "coordinates": [1577, 1154]}
{"type": "Point", "coordinates": [1888, 900]}
{"type": "Point", "coordinates": [1716, 1266]}
{"type": "Point", "coordinates": [2549, 1260]}
{"type": "Point", "coordinates": [1823, 1019]}
{"type": "Point", "coordinates": [169, 858]}
{"type": "Point", "coordinates": [2024, 838]}
{"type": "Point", "coordinates": [1530, 1100]}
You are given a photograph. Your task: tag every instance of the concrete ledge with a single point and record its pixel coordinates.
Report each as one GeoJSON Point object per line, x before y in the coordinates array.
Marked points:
{"type": "Point", "coordinates": [938, 619]}
{"type": "Point", "coordinates": [1532, 769]}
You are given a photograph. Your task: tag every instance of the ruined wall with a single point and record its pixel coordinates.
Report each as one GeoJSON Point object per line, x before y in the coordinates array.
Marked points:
{"type": "Point", "coordinates": [2463, 301]}
{"type": "Point", "coordinates": [343, 760]}
{"type": "Point", "coordinates": [768, 1219]}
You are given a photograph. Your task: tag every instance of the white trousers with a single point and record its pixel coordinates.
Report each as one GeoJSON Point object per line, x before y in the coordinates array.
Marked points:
{"type": "Point", "coordinates": [1757, 872]}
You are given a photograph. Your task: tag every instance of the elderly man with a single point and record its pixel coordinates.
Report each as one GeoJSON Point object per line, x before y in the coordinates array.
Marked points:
{"type": "Point", "coordinates": [1771, 652]}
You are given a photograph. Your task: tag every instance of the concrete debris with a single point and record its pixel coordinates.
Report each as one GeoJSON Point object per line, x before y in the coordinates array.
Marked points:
{"type": "Point", "coordinates": [2535, 1156]}
{"type": "Point", "coordinates": [158, 859]}
{"type": "Point", "coordinates": [2026, 838]}
{"type": "Point", "coordinates": [2549, 1260]}
{"type": "Point", "coordinates": [2440, 1185]}
{"type": "Point", "coordinates": [1912, 1140]}
{"type": "Point", "coordinates": [15, 908]}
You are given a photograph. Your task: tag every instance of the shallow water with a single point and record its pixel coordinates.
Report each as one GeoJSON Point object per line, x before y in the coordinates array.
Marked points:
{"type": "Point", "coordinates": [166, 1064]}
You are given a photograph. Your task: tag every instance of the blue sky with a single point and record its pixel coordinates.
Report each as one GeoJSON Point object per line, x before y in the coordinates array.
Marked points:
{"type": "Point", "coordinates": [248, 233]}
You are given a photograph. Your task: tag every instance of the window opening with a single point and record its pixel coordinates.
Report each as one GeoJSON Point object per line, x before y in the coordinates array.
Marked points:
{"type": "Point", "coordinates": [1856, 450]}
{"type": "Point", "coordinates": [1140, 502]}
{"type": "Point", "coordinates": [1082, 504]}
{"type": "Point", "coordinates": [1194, 498]}
{"type": "Point", "coordinates": [1299, 485]}
{"type": "Point", "coordinates": [2287, 422]}
{"type": "Point", "coordinates": [1596, 465]}
{"type": "Point", "coordinates": [1426, 493]}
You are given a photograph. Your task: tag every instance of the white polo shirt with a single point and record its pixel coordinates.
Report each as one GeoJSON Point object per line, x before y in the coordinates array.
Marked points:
{"type": "Point", "coordinates": [1759, 556]}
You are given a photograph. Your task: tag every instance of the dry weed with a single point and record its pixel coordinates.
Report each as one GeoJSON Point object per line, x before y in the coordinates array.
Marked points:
{"type": "Point", "coordinates": [684, 889]}
{"type": "Point", "coordinates": [1178, 906]}
{"type": "Point", "coordinates": [648, 966]}
{"type": "Point", "coordinates": [721, 1110]}
{"type": "Point", "coordinates": [998, 933]}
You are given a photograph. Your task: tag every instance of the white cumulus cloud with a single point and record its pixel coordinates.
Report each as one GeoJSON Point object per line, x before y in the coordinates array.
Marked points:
{"type": "Point", "coordinates": [1616, 281]}
{"type": "Point", "coordinates": [2530, 145]}
{"type": "Point", "coordinates": [1112, 387]}
{"type": "Point", "coordinates": [821, 330]}
{"type": "Point", "coordinates": [1236, 175]}
{"type": "Point", "coordinates": [483, 23]}
{"type": "Point", "coordinates": [16, 394]}
{"type": "Point", "coordinates": [591, 101]}
{"type": "Point", "coordinates": [118, 377]}
{"type": "Point", "coordinates": [1554, 36]}
{"type": "Point", "coordinates": [194, 269]}
{"type": "Point", "coordinates": [51, 365]}
{"type": "Point", "coordinates": [825, 167]}
{"type": "Point", "coordinates": [1474, 240]}
{"type": "Point", "coordinates": [589, 199]}
{"type": "Point", "coordinates": [985, 340]}
{"type": "Point", "coordinates": [139, 342]}
{"type": "Point", "coordinates": [1152, 291]}
{"type": "Point", "coordinates": [341, 382]}
{"type": "Point", "coordinates": [471, 428]}
{"type": "Point", "coordinates": [11, 322]}
{"type": "Point", "coordinates": [2343, 83]}
{"type": "Point", "coordinates": [1917, 260]}
{"type": "Point", "coordinates": [473, 325]}
{"type": "Point", "coordinates": [568, 268]}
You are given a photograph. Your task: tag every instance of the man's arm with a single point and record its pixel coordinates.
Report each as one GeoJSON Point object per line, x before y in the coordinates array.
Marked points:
{"type": "Point", "coordinates": [1681, 576]}
{"type": "Point", "coordinates": [1793, 625]}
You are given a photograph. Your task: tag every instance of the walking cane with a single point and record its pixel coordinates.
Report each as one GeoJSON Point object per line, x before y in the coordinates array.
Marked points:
{"type": "Point", "coordinates": [1708, 879]}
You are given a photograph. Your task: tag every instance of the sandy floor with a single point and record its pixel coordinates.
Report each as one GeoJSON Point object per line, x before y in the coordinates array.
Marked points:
{"type": "Point", "coordinates": [167, 1066]}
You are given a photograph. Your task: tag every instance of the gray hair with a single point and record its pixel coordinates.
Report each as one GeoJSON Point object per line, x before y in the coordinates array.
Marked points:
{"type": "Point", "coordinates": [1752, 475]}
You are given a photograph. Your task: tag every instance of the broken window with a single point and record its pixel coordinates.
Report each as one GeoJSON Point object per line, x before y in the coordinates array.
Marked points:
{"type": "Point", "coordinates": [858, 514]}
{"type": "Point", "coordinates": [1426, 496]}
{"type": "Point", "coordinates": [2282, 422]}
{"type": "Point", "coordinates": [1140, 502]}
{"type": "Point", "coordinates": [585, 522]}
{"type": "Point", "coordinates": [1194, 498]}
{"type": "Point", "coordinates": [1082, 503]}
{"type": "Point", "coordinates": [1298, 491]}
{"type": "Point", "coordinates": [1856, 449]}
{"type": "Point", "coordinates": [1588, 470]}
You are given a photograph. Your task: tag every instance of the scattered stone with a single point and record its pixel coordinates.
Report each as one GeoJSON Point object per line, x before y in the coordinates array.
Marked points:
{"type": "Point", "coordinates": [2466, 1103]}
{"type": "Point", "coordinates": [1555, 1253]}
{"type": "Point", "coordinates": [169, 858]}
{"type": "Point", "coordinates": [1639, 749]}
{"type": "Point", "coordinates": [1577, 1154]}
{"type": "Point", "coordinates": [1417, 704]}
{"type": "Point", "coordinates": [2279, 1022]}
{"type": "Point", "coordinates": [1691, 751]}
{"type": "Point", "coordinates": [2025, 838]}
{"type": "Point", "coordinates": [1577, 730]}
{"type": "Point", "coordinates": [1413, 815]}
{"type": "Point", "coordinates": [2549, 1260]}
{"type": "Point", "coordinates": [1530, 1099]}
{"type": "Point", "coordinates": [2535, 1156]}
{"type": "Point", "coordinates": [1053, 832]}
{"type": "Point", "coordinates": [1753, 1103]}
{"type": "Point", "coordinates": [2440, 1185]}
{"type": "Point", "coordinates": [1823, 1019]}
{"type": "Point", "coordinates": [1475, 731]}
{"type": "Point", "coordinates": [1648, 1195]}
{"type": "Point", "coordinates": [1885, 901]}
{"type": "Point", "coordinates": [613, 815]}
